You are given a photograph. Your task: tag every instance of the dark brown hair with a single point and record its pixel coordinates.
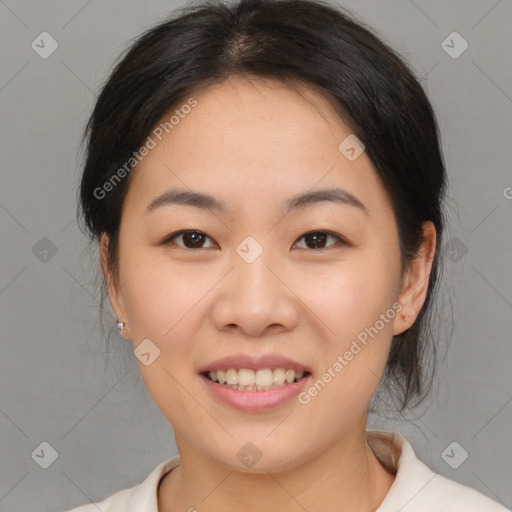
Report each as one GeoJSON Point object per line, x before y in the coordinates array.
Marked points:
{"type": "Point", "coordinates": [309, 41]}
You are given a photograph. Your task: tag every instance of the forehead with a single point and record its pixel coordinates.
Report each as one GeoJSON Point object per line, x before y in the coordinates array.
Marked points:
{"type": "Point", "coordinates": [248, 141]}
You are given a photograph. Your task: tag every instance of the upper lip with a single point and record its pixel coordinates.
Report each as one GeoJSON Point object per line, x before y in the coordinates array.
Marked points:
{"type": "Point", "coordinates": [238, 361]}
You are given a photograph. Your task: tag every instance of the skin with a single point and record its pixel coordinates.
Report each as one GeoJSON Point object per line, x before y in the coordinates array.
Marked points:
{"type": "Point", "coordinates": [253, 144]}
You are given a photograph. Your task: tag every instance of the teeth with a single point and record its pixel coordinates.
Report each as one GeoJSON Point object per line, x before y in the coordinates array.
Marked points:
{"type": "Point", "coordinates": [250, 380]}
{"type": "Point", "coordinates": [245, 377]}
{"type": "Point", "coordinates": [290, 375]}
{"type": "Point", "coordinates": [231, 377]}
{"type": "Point", "coordinates": [279, 376]}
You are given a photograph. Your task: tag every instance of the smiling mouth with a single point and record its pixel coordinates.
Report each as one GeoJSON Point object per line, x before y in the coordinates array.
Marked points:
{"type": "Point", "coordinates": [245, 379]}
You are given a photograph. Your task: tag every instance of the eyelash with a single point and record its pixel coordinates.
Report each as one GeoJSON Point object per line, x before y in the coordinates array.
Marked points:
{"type": "Point", "coordinates": [340, 239]}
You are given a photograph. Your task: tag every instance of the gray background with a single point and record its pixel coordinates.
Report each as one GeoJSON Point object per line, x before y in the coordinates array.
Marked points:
{"type": "Point", "coordinates": [55, 385]}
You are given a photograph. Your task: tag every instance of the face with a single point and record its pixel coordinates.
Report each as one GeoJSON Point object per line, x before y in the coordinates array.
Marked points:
{"type": "Point", "coordinates": [260, 272]}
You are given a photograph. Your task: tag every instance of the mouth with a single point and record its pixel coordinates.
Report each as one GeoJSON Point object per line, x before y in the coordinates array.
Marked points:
{"type": "Point", "coordinates": [254, 384]}
{"type": "Point", "coordinates": [255, 391]}
{"type": "Point", "coordinates": [246, 379]}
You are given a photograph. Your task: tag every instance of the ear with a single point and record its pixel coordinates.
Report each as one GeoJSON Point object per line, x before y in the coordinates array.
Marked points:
{"type": "Point", "coordinates": [415, 282]}
{"type": "Point", "coordinates": [115, 298]}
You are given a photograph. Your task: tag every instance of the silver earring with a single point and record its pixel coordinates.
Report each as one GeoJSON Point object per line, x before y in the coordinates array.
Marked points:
{"type": "Point", "coordinates": [120, 325]}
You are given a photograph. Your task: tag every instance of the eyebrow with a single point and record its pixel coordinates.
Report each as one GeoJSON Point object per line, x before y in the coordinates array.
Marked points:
{"type": "Point", "coordinates": [299, 201]}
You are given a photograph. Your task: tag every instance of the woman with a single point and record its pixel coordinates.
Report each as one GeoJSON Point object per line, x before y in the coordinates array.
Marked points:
{"type": "Point", "coordinates": [266, 185]}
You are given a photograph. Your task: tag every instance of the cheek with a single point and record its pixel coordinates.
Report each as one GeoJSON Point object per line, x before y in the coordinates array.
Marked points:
{"type": "Point", "coordinates": [356, 305]}
{"type": "Point", "coordinates": [163, 304]}
{"type": "Point", "coordinates": [159, 297]}
{"type": "Point", "coordinates": [351, 296]}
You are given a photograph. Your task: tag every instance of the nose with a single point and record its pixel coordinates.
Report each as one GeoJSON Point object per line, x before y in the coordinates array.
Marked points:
{"type": "Point", "coordinates": [256, 299]}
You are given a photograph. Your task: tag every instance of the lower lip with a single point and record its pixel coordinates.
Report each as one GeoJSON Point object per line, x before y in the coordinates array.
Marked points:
{"type": "Point", "coordinates": [255, 401]}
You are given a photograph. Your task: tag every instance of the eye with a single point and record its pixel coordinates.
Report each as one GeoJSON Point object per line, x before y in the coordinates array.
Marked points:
{"type": "Point", "coordinates": [191, 239]}
{"type": "Point", "coordinates": [318, 239]}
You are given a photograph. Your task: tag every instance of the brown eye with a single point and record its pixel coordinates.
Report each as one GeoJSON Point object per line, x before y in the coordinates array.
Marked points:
{"type": "Point", "coordinates": [318, 239]}
{"type": "Point", "coordinates": [190, 239]}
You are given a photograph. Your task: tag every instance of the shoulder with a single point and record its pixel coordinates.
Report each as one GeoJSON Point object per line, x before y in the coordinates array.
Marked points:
{"type": "Point", "coordinates": [449, 496]}
{"type": "Point", "coordinates": [142, 496]}
{"type": "Point", "coordinates": [419, 489]}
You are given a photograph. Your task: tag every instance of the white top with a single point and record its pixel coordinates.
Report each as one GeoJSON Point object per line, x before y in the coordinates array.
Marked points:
{"type": "Point", "coordinates": [416, 488]}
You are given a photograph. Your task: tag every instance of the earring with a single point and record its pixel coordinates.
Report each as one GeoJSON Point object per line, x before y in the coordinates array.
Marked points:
{"type": "Point", "coordinates": [120, 325]}
{"type": "Point", "coordinates": [403, 317]}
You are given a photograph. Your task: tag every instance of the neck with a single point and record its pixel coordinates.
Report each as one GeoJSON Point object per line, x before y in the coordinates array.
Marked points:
{"type": "Point", "coordinates": [348, 476]}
